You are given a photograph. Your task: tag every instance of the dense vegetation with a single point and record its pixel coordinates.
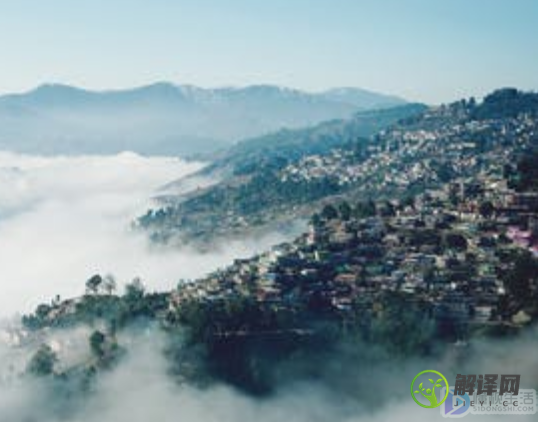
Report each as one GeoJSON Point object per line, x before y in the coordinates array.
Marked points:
{"type": "Point", "coordinates": [240, 341]}
{"type": "Point", "coordinates": [508, 102]}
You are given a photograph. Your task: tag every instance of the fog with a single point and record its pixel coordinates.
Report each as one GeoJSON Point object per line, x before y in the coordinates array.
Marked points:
{"type": "Point", "coordinates": [141, 389]}
{"type": "Point", "coordinates": [63, 219]}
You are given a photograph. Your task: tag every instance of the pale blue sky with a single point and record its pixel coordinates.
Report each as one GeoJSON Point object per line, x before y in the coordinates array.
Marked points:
{"type": "Point", "coordinates": [427, 50]}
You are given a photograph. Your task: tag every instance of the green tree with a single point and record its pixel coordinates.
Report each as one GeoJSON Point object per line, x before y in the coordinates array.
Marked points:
{"type": "Point", "coordinates": [43, 362]}
{"type": "Point", "coordinates": [93, 284]}
{"type": "Point", "coordinates": [135, 290]}
{"type": "Point", "coordinates": [456, 241]}
{"type": "Point", "coordinates": [521, 277]}
{"type": "Point", "coordinates": [97, 344]}
{"type": "Point", "coordinates": [345, 211]}
{"type": "Point", "coordinates": [109, 284]}
{"type": "Point", "coordinates": [329, 212]}
{"type": "Point", "coordinates": [486, 209]}
{"type": "Point", "coordinates": [365, 209]}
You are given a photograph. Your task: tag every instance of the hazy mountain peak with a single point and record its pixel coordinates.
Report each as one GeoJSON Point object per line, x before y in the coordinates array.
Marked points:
{"type": "Point", "coordinates": [359, 96]}
{"type": "Point", "coordinates": [47, 87]}
{"type": "Point", "coordinates": [165, 118]}
{"type": "Point", "coordinates": [158, 87]}
{"type": "Point", "coordinates": [271, 89]}
{"type": "Point", "coordinates": [56, 91]}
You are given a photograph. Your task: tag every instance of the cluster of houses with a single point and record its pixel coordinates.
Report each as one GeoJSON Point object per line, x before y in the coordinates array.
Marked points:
{"type": "Point", "coordinates": [430, 153]}
{"type": "Point", "coordinates": [444, 247]}
{"type": "Point", "coordinates": [444, 217]}
{"type": "Point", "coordinates": [443, 251]}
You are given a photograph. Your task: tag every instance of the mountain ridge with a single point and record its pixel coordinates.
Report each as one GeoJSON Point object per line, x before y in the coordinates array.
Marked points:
{"type": "Point", "coordinates": [164, 118]}
{"type": "Point", "coordinates": [342, 92]}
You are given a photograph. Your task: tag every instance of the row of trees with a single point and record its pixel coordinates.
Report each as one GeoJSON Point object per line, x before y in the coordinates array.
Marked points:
{"type": "Point", "coordinates": [99, 303]}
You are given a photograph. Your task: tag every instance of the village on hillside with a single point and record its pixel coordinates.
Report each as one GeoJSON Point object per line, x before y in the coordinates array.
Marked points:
{"type": "Point", "coordinates": [455, 246]}
{"type": "Point", "coordinates": [435, 226]}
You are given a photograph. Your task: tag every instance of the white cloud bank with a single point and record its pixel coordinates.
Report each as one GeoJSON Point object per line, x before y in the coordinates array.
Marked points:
{"type": "Point", "coordinates": [140, 389]}
{"type": "Point", "coordinates": [63, 219]}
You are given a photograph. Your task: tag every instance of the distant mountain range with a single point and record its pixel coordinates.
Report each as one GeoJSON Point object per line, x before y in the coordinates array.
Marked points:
{"type": "Point", "coordinates": [164, 118]}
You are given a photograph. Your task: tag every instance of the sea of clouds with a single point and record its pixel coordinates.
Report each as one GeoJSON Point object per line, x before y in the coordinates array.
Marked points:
{"type": "Point", "coordinates": [64, 218]}
{"type": "Point", "coordinates": [141, 389]}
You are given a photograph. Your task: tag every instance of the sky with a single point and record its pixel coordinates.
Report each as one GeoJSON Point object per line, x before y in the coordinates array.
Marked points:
{"type": "Point", "coordinates": [424, 50]}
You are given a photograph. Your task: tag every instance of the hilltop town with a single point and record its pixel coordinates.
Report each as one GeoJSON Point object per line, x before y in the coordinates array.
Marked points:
{"type": "Point", "coordinates": [457, 248]}
{"type": "Point", "coordinates": [422, 151]}
{"type": "Point", "coordinates": [429, 237]}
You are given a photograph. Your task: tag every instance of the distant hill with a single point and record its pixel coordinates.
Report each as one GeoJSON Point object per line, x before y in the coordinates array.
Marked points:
{"type": "Point", "coordinates": [164, 118]}
{"type": "Point", "coordinates": [275, 180]}
{"type": "Point", "coordinates": [292, 144]}
{"type": "Point", "coordinates": [248, 176]}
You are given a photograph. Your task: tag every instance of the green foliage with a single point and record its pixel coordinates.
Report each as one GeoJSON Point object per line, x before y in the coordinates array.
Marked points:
{"type": "Point", "coordinates": [93, 284]}
{"type": "Point", "coordinates": [97, 344]}
{"type": "Point", "coordinates": [38, 319]}
{"type": "Point", "coordinates": [134, 292]}
{"type": "Point", "coordinates": [403, 326]}
{"type": "Point", "coordinates": [525, 176]}
{"type": "Point", "coordinates": [113, 310]}
{"type": "Point", "coordinates": [345, 211]}
{"type": "Point", "coordinates": [486, 209]}
{"type": "Point", "coordinates": [43, 362]}
{"type": "Point", "coordinates": [507, 102]}
{"type": "Point", "coordinates": [365, 209]}
{"type": "Point", "coordinates": [109, 284]}
{"type": "Point", "coordinates": [455, 241]}
{"type": "Point", "coordinates": [329, 212]}
{"type": "Point", "coordinates": [521, 280]}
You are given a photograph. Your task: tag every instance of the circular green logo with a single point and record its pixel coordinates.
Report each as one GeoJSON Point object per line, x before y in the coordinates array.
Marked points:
{"type": "Point", "coordinates": [428, 391]}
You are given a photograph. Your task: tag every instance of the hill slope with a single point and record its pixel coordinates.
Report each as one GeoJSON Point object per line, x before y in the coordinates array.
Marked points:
{"type": "Point", "coordinates": [447, 242]}
{"type": "Point", "coordinates": [245, 181]}
{"type": "Point", "coordinates": [425, 150]}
